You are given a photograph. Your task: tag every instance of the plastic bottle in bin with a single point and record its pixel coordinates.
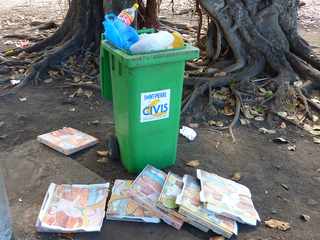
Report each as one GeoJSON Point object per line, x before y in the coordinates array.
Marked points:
{"type": "Point", "coordinates": [118, 33]}
{"type": "Point", "coordinates": [128, 15]}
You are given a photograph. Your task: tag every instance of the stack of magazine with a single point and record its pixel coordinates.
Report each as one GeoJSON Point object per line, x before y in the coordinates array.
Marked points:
{"type": "Point", "coordinates": [146, 190]}
{"type": "Point", "coordinates": [208, 202]}
{"type": "Point", "coordinates": [122, 208]}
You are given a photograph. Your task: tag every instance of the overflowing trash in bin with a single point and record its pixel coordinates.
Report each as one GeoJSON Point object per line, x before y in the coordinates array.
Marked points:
{"type": "Point", "coordinates": [207, 202]}
{"type": "Point", "coordinates": [120, 34]}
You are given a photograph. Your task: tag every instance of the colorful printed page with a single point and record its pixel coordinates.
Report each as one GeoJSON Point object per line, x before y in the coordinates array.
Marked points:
{"type": "Point", "coordinates": [121, 207]}
{"type": "Point", "coordinates": [146, 190]}
{"type": "Point", "coordinates": [149, 184]}
{"type": "Point", "coordinates": [73, 208]}
{"type": "Point", "coordinates": [67, 140]}
{"type": "Point", "coordinates": [171, 189]}
{"type": "Point", "coordinates": [189, 201]}
{"type": "Point", "coordinates": [227, 198]}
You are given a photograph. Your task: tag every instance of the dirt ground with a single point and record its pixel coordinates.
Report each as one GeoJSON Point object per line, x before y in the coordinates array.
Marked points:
{"type": "Point", "coordinates": [266, 167]}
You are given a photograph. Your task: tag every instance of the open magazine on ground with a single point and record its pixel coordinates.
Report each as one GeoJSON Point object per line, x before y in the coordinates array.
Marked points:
{"type": "Point", "coordinates": [227, 198]}
{"type": "Point", "coordinates": [121, 207]}
{"type": "Point", "coordinates": [73, 208]}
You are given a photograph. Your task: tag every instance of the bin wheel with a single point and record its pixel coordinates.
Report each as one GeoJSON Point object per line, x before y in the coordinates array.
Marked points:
{"type": "Point", "coordinates": [113, 148]}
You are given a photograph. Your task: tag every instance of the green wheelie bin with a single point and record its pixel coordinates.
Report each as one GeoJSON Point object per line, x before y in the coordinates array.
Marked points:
{"type": "Point", "coordinates": [146, 91]}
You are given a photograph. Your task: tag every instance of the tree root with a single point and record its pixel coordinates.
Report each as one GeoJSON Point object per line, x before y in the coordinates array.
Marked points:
{"type": "Point", "coordinates": [237, 113]}
{"type": "Point", "coordinates": [305, 102]}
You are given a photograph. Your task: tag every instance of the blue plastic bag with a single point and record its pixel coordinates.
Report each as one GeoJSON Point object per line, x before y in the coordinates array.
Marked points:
{"type": "Point", "coordinates": [118, 33]}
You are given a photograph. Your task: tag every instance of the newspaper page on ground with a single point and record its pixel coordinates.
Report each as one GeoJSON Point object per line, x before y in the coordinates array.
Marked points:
{"type": "Point", "coordinates": [227, 198]}
{"type": "Point", "coordinates": [73, 208]}
{"type": "Point", "coordinates": [121, 207]}
{"type": "Point", "coordinates": [193, 209]}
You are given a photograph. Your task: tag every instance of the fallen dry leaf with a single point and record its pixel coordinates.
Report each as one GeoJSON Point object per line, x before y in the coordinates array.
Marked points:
{"type": "Point", "coordinates": [315, 118]}
{"type": "Point", "coordinates": [102, 160]}
{"type": "Point", "coordinates": [216, 123]}
{"type": "Point", "coordinates": [228, 111]}
{"type": "Point", "coordinates": [267, 131]}
{"type": "Point", "coordinates": [314, 130]}
{"type": "Point", "coordinates": [236, 176]}
{"type": "Point", "coordinates": [292, 148]}
{"type": "Point", "coordinates": [217, 238]}
{"type": "Point", "coordinates": [283, 125]}
{"type": "Point", "coordinates": [88, 93]}
{"type": "Point", "coordinates": [103, 153]}
{"type": "Point", "coordinates": [259, 119]}
{"type": "Point", "coordinates": [193, 125]}
{"type": "Point", "coordinates": [280, 140]}
{"type": "Point", "coordinates": [193, 163]}
{"type": "Point", "coordinates": [316, 140]}
{"type": "Point", "coordinates": [277, 224]}
{"type": "Point", "coordinates": [244, 121]}
{"type": "Point", "coordinates": [285, 186]}
{"type": "Point", "coordinates": [305, 217]}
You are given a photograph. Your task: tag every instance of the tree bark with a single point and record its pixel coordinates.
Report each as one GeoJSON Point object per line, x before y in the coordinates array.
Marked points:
{"type": "Point", "coordinates": [263, 38]}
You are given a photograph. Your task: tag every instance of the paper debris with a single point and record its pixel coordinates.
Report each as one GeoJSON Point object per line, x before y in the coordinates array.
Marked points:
{"type": "Point", "coordinates": [188, 133]}
{"type": "Point", "coordinates": [23, 99]}
{"type": "Point", "coordinates": [15, 82]}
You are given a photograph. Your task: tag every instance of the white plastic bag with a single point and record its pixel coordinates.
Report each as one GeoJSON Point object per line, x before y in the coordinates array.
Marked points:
{"type": "Point", "coordinates": [153, 42]}
{"type": "Point", "coordinates": [189, 133]}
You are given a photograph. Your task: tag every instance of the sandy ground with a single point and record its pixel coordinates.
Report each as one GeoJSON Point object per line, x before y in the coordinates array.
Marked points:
{"type": "Point", "coordinates": [264, 165]}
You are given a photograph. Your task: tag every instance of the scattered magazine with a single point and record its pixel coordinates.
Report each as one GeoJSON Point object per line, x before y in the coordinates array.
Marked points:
{"type": "Point", "coordinates": [193, 209]}
{"type": "Point", "coordinates": [227, 198]}
{"type": "Point", "coordinates": [121, 207]}
{"type": "Point", "coordinates": [171, 189]}
{"type": "Point", "coordinates": [146, 190]}
{"type": "Point", "coordinates": [67, 140]}
{"type": "Point", "coordinates": [73, 208]}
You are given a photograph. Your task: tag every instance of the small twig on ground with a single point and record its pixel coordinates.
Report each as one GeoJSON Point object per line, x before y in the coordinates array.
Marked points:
{"type": "Point", "coordinates": [199, 12]}
{"type": "Point", "coordinates": [84, 85]}
{"type": "Point", "coordinates": [237, 113]}
{"type": "Point", "coordinates": [313, 104]}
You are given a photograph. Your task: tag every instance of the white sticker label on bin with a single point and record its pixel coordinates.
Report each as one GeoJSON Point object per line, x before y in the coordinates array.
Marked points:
{"type": "Point", "coordinates": [155, 105]}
